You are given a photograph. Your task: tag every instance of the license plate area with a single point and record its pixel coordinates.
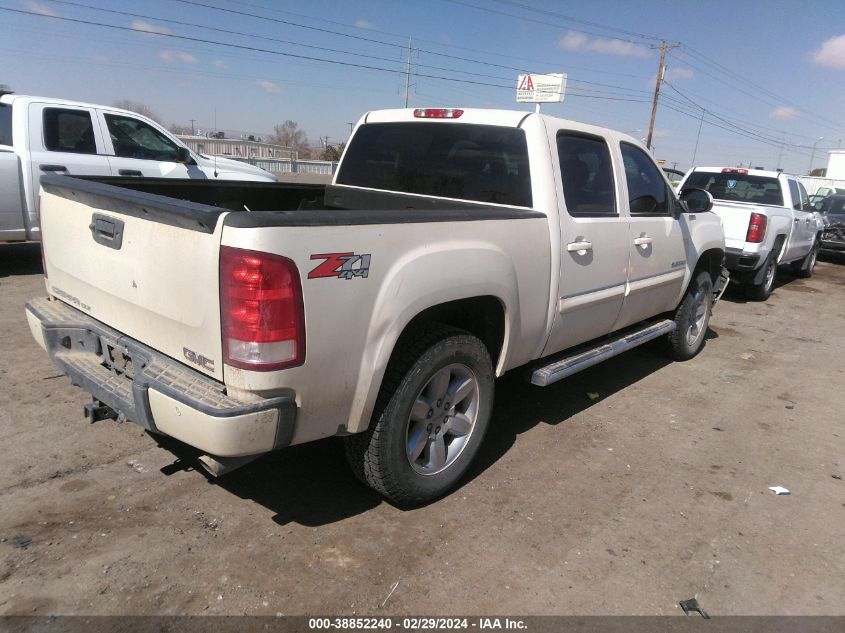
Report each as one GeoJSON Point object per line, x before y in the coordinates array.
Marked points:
{"type": "Point", "coordinates": [116, 357]}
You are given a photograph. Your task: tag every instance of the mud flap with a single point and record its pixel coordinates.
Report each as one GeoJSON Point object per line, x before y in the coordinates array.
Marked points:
{"type": "Point", "coordinates": [721, 284]}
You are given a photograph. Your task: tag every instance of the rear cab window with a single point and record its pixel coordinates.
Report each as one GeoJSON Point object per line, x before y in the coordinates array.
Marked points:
{"type": "Point", "coordinates": [738, 186]}
{"type": "Point", "coordinates": [5, 124]}
{"type": "Point", "coordinates": [69, 131]}
{"type": "Point", "coordinates": [481, 163]}
{"type": "Point", "coordinates": [805, 198]}
{"type": "Point", "coordinates": [796, 196]}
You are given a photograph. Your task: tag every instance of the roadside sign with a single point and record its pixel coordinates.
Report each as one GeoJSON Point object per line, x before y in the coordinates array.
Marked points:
{"type": "Point", "coordinates": [536, 88]}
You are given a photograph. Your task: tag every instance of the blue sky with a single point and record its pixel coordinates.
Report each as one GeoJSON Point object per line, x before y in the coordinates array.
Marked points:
{"type": "Point", "coordinates": [767, 77]}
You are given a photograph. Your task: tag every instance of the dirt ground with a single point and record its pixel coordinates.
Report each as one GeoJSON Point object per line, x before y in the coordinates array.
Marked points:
{"type": "Point", "coordinates": [655, 492]}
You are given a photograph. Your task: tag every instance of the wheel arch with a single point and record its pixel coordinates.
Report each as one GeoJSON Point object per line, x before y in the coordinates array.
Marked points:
{"type": "Point", "coordinates": [484, 316]}
{"type": "Point", "coordinates": [710, 261]}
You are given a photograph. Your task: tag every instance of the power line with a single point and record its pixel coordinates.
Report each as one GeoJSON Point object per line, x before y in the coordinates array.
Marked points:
{"type": "Point", "coordinates": [569, 18]}
{"type": "Point", "coordinates": [404, 36]}
{"type": "Point", "coordinates": [739, 84]}
{"type": "Point", "coordinates": [271, 39]}
{"type": "Point", "coordinates": [771, 140]}
{"type": "Point", "coordinates": [322, 48]}
{"type": "Point", "coordinates": [535, 21]}
{"type": "Point", "coordinates": [283, 54]}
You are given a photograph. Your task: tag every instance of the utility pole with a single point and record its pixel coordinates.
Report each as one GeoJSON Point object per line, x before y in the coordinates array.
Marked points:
{"type": "Point", "coordinates": [661, 71]}
{"type": "Point", "coordinates": [408, 73]}
{"type": "Point", "coordinates": [698, 136]}
{"type": "Point", "coordinates": [813, 154]}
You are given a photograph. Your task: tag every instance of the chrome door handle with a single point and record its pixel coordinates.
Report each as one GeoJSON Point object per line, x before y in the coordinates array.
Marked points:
{"type": "Point", "coordinates": [574, 247]}
{"type": "Point", "coordinates": [642, 241]}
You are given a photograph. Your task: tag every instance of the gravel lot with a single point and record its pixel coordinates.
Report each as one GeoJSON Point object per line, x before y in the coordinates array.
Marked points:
{"type": "Point", "coordinates": [655, 492]}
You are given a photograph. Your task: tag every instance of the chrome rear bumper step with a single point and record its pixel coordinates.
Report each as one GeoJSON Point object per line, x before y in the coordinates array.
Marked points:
{"type": "Point", "coordinates": [560, 369]}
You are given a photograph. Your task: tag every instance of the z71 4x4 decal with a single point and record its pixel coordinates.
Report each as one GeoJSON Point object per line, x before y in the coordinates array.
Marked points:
{"type": "Point", "coordinates": [342, 265]}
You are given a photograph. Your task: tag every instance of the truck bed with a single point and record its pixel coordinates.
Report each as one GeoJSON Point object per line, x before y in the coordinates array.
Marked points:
{"type": "Point", "coordinates": [198, 204]}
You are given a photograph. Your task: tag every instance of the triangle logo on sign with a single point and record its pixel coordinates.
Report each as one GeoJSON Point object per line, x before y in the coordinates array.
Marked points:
{"type": "Point", "coordinates": [527, 83]}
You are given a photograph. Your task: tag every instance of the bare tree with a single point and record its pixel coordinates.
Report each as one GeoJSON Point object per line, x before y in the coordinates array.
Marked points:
{"type": "Point", "coordinates": [289, 134]}
{"type": "Point", "coordinates": [333, 152]}
{"type": "Point", "coordinates": [136, 106]}
{"type": "Point", "coordinates": [176, 128]}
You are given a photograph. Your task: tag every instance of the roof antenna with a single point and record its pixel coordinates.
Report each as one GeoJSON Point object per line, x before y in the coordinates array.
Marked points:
{"type": "Point", "coordinates": [215, 153]}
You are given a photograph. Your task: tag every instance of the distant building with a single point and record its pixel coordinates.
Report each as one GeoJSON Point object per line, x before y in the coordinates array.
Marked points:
{"type": "Point", "coordinates": [836, 164]}
{"type": "Point", "coordinates": [237, 148]}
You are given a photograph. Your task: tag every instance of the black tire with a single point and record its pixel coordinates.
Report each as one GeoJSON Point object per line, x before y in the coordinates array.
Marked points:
{"type": "Point", "coordinates": [687, 339]}
{"type": "Point", "coordinates": [380, 455]}
{"type": "Point", "coordinates": [804, 268]}
{"type": "Point", "coordinates": [762, 291]}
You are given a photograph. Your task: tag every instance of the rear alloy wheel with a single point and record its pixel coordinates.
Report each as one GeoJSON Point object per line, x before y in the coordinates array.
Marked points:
{"type": "Point", "coordinates": [804, 268]}
{"type": "Point", "coordinates": [431, 415]}
{"type": "Point", "coordinates": [761, 291]}
{"type": "Point", "coordinates": [442, 419]}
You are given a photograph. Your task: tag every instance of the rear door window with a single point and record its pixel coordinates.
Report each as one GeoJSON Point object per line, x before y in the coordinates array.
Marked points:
{"type": "Point", "coordinates": [69, 131]}
{"type": "Point", "coordinates": [133, 138]}
{"type": "Point", "coordinates": [482, 163]}
{"type": "Point", "coordinates": [587, 175]}
{"type": "Point", "coordinates": [648, 193]}
{"type": "Point", "coordinates": [5, 124]}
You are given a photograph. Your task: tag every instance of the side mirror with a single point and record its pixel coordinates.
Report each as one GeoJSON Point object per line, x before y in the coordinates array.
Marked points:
{"type": "Point", "coordinates": [696, 200]}
{"type": "Point", "coordinates": [183, 155]}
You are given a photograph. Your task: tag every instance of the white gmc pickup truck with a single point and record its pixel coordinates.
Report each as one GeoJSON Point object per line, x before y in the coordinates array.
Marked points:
{"type": "Point", "coordinates": [41, 135]}
{"type": "Point", "coordinates": [768, 221]}
{"type": "Point", "coordinates": [453, 246]}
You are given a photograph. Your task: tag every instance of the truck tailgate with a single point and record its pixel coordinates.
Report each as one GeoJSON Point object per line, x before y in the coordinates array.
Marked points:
{"type": "Point", "coordinates": [735, 217]}
{"type": "Point", "coordinates": [142, 264]}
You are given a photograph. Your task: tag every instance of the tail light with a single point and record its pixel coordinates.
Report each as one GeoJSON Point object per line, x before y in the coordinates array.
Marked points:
{"type": "Point", "coordinates": [262, 316]}
{"type": "Point", "coordinates": [438, 113]}
{"type": "Point", "coordinates": [756, 228]}
{"type": "Point", "coordinates": [728, 170]}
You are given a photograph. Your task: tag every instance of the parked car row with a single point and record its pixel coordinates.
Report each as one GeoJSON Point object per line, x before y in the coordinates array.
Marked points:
{"type": "Point", "coordinates": [768, 222]}
{"type": "Point", "coordinates": [40, 135]}
{"type": "Point", "coordinates": [832, 209]}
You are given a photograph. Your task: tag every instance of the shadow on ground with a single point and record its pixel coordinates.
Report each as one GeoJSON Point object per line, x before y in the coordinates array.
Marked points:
{"type": "Point", "coordinates": [735, 292]}
{"type": "Point", "coordinates": [20, 259]}
{"type": "Point", "coordinates": [312, 485]}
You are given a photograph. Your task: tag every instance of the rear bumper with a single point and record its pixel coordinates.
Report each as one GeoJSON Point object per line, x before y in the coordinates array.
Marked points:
{"type": "Point", "coordinates": [739, 261]}
{"type": "Point", "coordinates": [153, 390]}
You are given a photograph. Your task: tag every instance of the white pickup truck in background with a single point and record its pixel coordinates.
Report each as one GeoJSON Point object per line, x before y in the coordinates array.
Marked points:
{"type": "Point", "coordinates": [453, 246]}
{"type": "Point", "coordinates": [41, 135]}
{"type": "Point", "coordinates": [768, 221]}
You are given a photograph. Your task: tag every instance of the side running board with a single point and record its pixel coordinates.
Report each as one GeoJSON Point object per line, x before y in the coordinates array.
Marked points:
{"type": "Point", "coordinates": [559, 369]}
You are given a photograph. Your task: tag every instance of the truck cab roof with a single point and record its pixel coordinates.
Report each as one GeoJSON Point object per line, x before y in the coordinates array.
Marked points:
{"type": "Point", "coordinates": [770, 173]}
{"type": "Point", "coordinates": [486, 116]}
{"type": "Point", "coordinates": [11, 98]}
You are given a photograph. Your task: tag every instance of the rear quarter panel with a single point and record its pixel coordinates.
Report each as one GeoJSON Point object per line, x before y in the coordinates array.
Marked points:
{"type": "Point", "coordinates": [352, 325]}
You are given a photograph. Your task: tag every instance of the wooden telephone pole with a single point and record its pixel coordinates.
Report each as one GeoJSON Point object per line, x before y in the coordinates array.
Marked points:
{"type": "Point", "coordinates": [661, 71]}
